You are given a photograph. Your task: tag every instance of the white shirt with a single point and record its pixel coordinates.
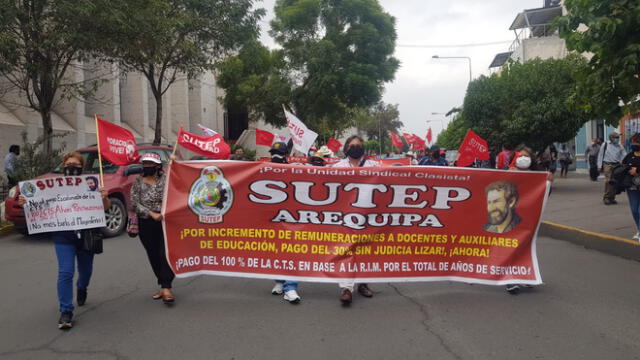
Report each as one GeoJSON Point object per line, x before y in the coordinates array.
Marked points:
{"type": "Point", "coordinates": [615, 153]}
{"type": "Point", "coordinates": [346, 163]}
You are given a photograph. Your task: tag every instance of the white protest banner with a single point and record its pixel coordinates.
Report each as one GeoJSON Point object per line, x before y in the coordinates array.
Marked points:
{"type": "Point", "coordinates": [62, 203]}
{"type": "Point", "coordinates": [301, 136]}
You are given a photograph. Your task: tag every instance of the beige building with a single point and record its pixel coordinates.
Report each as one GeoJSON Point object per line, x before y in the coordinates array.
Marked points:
{"type": "Point", "coordinates": [124, 99]}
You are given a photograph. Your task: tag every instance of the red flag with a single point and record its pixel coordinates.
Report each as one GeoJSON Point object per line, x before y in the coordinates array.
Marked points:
{"type": "Point", "coordinates": [395, 140]}
{"type": "Point", "coordinates": [418, 143]}
{"type": "Point", "coordinates": [429, 136]}
{"type": "Point", "coordinates": [334, 145]}
{"type": "Point", "coordinates": [409, 138]}
{"type": "Point", "coordinates": [472, 147]}
{"type": "Point", "coordinates": [117, 144]}
{"type": "Point", "coordinates": [212, 147]}
{"type": "Point", "coordinates": [264, 138]}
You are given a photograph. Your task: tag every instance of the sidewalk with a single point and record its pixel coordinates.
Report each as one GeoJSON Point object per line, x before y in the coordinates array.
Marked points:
{"type": "Point", "coordinates": [575, 212]}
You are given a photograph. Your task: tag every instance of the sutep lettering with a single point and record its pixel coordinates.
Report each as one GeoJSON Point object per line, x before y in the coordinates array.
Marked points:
{"type": "Point", "coordinates": [368, 196]}
{"type": "Point", "coordinates": [208, 145]}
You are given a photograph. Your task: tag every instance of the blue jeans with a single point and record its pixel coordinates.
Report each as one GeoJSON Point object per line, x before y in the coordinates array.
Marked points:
{"type": "Point", "coordinates": [67, 254]}
{"type": "Point", "coordinates": [288, 285]}
{"type": "Point", "coordinates": [634, 203]}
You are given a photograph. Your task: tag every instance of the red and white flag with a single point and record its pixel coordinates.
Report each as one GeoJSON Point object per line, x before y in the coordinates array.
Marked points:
{"type": "Point", "coordinates": [117, 144]}
{"type": "Point", "coordinates": [206, 131]}
{"type": "Point", "coordinates": [418, 143]}
{"type": "Point", "coordinates": [472, 147]}
{"type": "Point", "coordinates": [334, 145]}
{"type": "Point", "coordinates": [213, 147]}
{"type": "Point", "coordinates": [264, 138]}
{"type": "Point", "coordinates": [396, 141]}
{"type": "Point", "coordinates": [429, 136]}
{"type": "Point", "coordinates": [302, 137]}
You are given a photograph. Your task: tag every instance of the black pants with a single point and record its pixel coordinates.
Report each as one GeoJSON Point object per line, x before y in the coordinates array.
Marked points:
{"type": "Point", "coordinates": [152, 239]}
{"type": "Point", "coordinates": [593, 168]}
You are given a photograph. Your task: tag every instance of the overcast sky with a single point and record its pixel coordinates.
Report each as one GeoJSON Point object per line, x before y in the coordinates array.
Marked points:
{"type": "Point", "coordinates": [423, 85]}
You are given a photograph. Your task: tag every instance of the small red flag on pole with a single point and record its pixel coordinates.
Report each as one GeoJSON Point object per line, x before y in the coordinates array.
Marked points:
{"type": "Point", "coordinates": [264, 138]}
{"type": "Point", "coordinates": [472, 147]}
{"type": "Point", "coordinates": [396, 141]}
{"type": "Point", "coordinates": [334, 145]}
{"type": "Point", "coordinates": [213, 147]}
{"type": "Point", "coordinates": [429, 136]}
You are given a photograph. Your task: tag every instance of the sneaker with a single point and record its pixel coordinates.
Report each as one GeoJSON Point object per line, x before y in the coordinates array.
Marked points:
{"type": "Point", "coordinates": [636, 236]}
{"type": "Point", "coordinates": [81, 297]}
{"type": "Point", "coordinates": [513, 289]}
{"type": "Point", "coordinates": [346, 297]}
{"type": "Point", "coordinates": [292, 296]}
{"type": "Point", "coordinates": [277, 289]}
{"type": "Point", "coordinates": [66, 320]}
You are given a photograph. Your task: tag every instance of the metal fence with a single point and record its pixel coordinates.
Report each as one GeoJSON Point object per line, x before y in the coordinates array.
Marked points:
{"type": "Point", "coordinates": [4, 191]}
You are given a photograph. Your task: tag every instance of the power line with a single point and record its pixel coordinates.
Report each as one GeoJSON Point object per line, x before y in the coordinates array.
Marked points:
{"type": "Point", "coordinates": [454, 46]}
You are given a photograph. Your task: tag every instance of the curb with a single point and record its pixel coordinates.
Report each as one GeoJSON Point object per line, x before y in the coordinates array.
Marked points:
{"type": "Point", "coordinates": [609, 244]}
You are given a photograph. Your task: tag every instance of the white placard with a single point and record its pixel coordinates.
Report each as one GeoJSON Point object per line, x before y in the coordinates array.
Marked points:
{"type": "Point", "coordinates": [302, 137]}
{"type": "Point", "coordinates": [62, 203]}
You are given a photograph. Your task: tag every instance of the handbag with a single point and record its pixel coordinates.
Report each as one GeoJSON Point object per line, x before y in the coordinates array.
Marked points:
{"type": "Point", "coordinates": [92, 240]}
{"type": "Point", "coordinates": [132, 225]}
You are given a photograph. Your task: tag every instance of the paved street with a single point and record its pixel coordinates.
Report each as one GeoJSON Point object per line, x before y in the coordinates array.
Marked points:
{"type": "Point", "coordinates": [588, 309]}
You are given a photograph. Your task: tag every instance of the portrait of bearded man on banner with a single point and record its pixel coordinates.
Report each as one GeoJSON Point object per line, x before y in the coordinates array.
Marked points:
{"type": "Point", "coordinates": [502, 198]}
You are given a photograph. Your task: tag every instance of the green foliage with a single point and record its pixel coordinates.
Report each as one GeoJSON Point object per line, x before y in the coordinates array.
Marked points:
{"type": "Point", "coordinates": [371, 146]}
{"type": "Point", "coordinates": [377, 121]}
{"type": "Point", "coordinates": [337, 55]}
{"type": "Point", "coordinates": [254, 83]}
{"type": "Point", "coordinates": [612, 36]}
{"type": "Point", "coordinates": [39, 42]}
{"type": "Point", "coordinates": [527, 103]}
{"type": "Point", "coordinates": [34, 160]}
{"type": "Point", "coordinates": [455, 132]}
{"type": "Point", "coordinates": [166, 39]}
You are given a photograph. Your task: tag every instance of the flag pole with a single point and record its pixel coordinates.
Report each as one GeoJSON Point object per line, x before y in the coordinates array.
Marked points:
{"type": "Point", "coordinates": [99, 152]}
{"type": "Point", "coordinates": [175, 145]}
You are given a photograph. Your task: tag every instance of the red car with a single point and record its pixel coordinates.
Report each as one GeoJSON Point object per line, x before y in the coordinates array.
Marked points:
{"type": "Point", "coordinates": [117, 180]}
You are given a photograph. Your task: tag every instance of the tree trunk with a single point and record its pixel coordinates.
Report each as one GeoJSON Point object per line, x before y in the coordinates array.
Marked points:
{"type": "Point", "coordinates": [47, 128]}
{"type": "Point", "coordinates": [158, 134]}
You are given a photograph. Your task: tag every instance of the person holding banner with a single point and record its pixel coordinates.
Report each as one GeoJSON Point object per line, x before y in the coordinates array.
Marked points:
{"type": "Point", "coordinates": [289, 288]}
{"type": "Point", "coordinates": [354, 151]}
{"type": "Point", "coordinates": [523, 160]}
{"type": "Point", "coordinates": [146, 200]}
{"type": "Point", "coordinates": [68, 246]}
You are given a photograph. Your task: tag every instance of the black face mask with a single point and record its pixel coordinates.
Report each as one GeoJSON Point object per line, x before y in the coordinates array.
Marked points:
{"type": "Point", "coordinates": [149, 171]}
{"type": "Point", "coordinates": [355, 152]}
{"type": "Point", "coordinates": [280, 159]}
{"type": "Point", "coordinates": [635, 147]}
{"type": "Point", "coordinates": [72, 170]}
{"type": "Point", "coordinates": [317, 162]}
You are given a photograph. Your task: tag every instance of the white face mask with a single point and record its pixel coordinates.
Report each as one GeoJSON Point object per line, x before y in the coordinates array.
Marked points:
{"type": "Point", "coordinates": [523, 162]}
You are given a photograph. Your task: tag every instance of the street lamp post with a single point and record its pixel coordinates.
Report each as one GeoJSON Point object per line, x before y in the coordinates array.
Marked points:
{"type": "Point", "coordinates": [456, 57]}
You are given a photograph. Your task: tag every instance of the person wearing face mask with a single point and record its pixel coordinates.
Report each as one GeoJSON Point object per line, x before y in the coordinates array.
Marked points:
{"type": "Point", "coordinates": [610, 154]}
{"type": "Point", "coordinates": [523, 161]}
{"type": "Point", "coordinates": [318, 157]}
{"type": "Point", "coordinates": [289, 288]}
{"type": "Point", "coordinates": [354, 151]}
{"type": "Point", "coordinates": [632, 160]}
{"type": "Point", "coordinates": [435, 159]}
{"type": "Point", "coordinates": [68, 246]}
{"type": "Point", "coordinates": [146, 200]}
{"type": "Point", "coordinates": [279, 152]}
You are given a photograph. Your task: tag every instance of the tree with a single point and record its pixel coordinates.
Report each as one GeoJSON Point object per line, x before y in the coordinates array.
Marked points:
{"type": "Point", "coordinates": [612, 37]}
{"type": "Point", "coordinates": [452, 136]}
{"type": "Point", "coordinates": [34, 160]}
{"type": "Point", "coordinates": [337, 56]}
{"type": "Point", "coordinates": [377, 121]}
{"type": "Point", "coordinates": [527, 103]}
{"type": "Point", "coordinates": [39, 44]}
{"type": "Point", "coordinates": [165, 38]}
{"type": "Point", "coordinates": [254, 83]}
